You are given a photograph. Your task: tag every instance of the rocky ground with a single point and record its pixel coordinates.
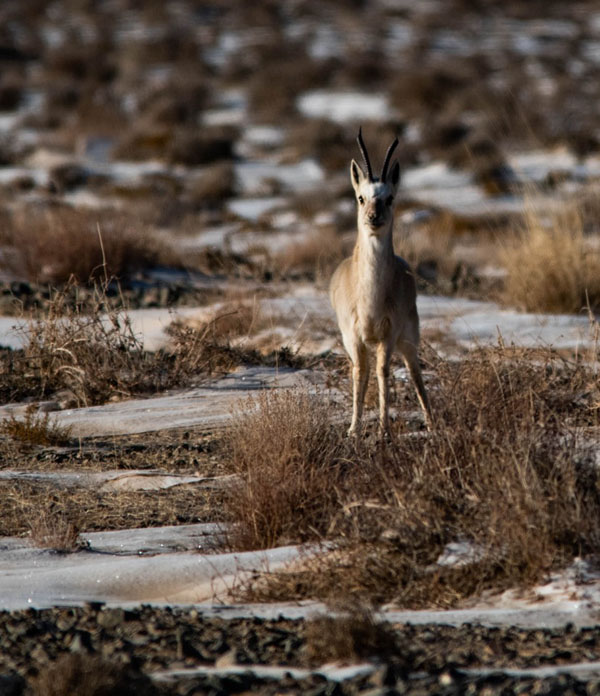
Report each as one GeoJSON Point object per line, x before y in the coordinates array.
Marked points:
{"type": "Point", "coordinates": [214, 656]}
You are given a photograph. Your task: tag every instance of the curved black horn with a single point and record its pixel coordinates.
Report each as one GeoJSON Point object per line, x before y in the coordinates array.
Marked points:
{"type": "Point", "coordinates": [388, 157]}
{"type": "Point", "coordinates": [365, 155]}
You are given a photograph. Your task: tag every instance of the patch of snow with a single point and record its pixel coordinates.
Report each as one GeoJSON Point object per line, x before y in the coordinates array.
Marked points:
{"type": "Point", "coordinates": [437, 175]}
{"type": "Point", "coordinates": [460, 553]}
{"type": "Point", "coordinates": [253, 208]}
{"type": "Point", "coordinates": [537, 164]}
{"type": "Point", "coordinates": [332, 672]}
{"type": "Point", "coordinates": [129, 480]}
{"type": "Point", "coordinates": [156, 540]}
{"type": "Point", "coordinates": [209, 406]}
{"type": "Point", "coordinates": [36, 578]}
{"type": "Point", "coordinates": [264, 136]}
{"type": "Point", "coordinates": [344, 107]}
{"type": "Point", "coordinates": [302, 176]}
{"type": "Point", "coordinates": [229, 110]}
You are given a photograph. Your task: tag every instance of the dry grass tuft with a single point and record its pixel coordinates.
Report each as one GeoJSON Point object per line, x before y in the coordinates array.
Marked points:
{"type": "Point", "coordinates": [315, 257]}
{"type": "Point", "coordinates": [291, 460]}
{"type": "Point", "coordinates": [90, 675]}
{"type": "Point", "coordinates": [35, 429]}
{"type": "Point", "coordinates": [56, 244]}
{"type": "Point", "coordinates": [506, 471]}
{"type": "Point", "coordinates": [350, 636]}
{"type": "Point", "coordinates": [53, 530]}
{"type": "Point", "coordinates": [551, 264]}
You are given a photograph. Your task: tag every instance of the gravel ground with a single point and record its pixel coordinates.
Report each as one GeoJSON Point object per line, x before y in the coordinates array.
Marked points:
{"type": "Point", "coordinates": [146, 640]}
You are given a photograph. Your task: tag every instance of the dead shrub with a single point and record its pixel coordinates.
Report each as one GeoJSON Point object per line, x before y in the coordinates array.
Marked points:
{"type": "Point", "coordinates": [56, 244]}
{"type": "Point", "coordinates": [290, 459]}
{"type": "Point", "coordinates": [551, 265]}
{"type": "Point", "coordinates": [286, 71]}
{"type": "Point", "coordinates": [35, 429]}
{"type": "Point", "coordinates": [79, 673]}
{"type": "Point", "coordinates": [54, 531]}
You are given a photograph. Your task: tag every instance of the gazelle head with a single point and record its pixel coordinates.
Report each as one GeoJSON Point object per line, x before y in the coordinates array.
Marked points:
{"type": "Point", "coordinates": [375, 196]}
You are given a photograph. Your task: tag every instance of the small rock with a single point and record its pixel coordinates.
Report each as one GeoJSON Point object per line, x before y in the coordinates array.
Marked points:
{"type": "Point", "coordinates": [228, 659]}
{"type": "Point", "coordinates": [48, 406]}
{"type": "Point", "coordinates": [109, 618]}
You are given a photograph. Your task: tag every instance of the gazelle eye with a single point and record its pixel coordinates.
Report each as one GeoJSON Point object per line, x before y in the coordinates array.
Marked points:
{"type": "Point", "coordinates": [389, 200]}
{"type": "Point", "coordinates": [361, 200]}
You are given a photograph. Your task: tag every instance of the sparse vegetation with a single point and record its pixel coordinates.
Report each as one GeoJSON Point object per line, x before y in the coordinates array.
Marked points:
{"type": "Point", "coordinates": [55, 244]}
{"type": "Point", "coordinates": [159, 154]}
{"type": "Point", "coordinates": [93, 352]}
{"type": "Point", "coordinates": [503, 471]}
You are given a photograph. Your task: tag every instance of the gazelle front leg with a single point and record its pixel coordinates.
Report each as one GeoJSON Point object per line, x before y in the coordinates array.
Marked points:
{"type": "Point", "coordinates": [360, 379]}
{"type": "Point", "coordinates": [384, 356]}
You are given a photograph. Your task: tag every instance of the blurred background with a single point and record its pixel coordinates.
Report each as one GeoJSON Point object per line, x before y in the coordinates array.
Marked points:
{"type": "Point", "coordinates": [214, 138]}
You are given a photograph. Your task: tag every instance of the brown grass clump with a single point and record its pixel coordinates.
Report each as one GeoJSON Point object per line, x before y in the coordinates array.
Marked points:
{"type": "Point", "coordinates": [551, 265]}
{"type": "Point", "coordinates": [315, 257]}
{"type": "Point", "coordinates": [291, 461]}
{"type": "Point", "coordinates": [35, 429]}
{"type": "Point", "coordinates": [55, 244]}
{"type": "Point", "coordinates": [51, 530]}
{"type": "Point", "coordinates": [90, 675]}
{"type": "Point", "coordinates": [505, 471]}
{"type": "Point", "coordinates": [350, 636]}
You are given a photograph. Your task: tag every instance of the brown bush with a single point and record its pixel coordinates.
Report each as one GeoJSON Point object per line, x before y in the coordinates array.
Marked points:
{"type": "Point", "coordinates": [55, 244]}
{"type": "Point", "coordinates": [290, 459]}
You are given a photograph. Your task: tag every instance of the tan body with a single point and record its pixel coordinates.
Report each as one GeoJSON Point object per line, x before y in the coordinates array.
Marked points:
{"type": "Point", "coordinates": [374, 296]}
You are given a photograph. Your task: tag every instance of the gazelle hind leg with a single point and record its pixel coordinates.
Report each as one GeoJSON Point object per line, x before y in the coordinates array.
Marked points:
{"type": "Point", "coordinates": [411, 360]}
{"type": "Point", "coordinates": [360, 380]}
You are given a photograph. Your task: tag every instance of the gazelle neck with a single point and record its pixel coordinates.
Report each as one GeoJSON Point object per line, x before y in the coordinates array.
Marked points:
{"type": "Point", "coordinates": [374, 253]}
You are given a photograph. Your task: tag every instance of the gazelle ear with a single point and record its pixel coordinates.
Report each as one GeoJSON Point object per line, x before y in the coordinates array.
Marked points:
{"type": "Point", "coordinates": [357, 176]}
{"type": "Point", "coordinates": [395, 175]}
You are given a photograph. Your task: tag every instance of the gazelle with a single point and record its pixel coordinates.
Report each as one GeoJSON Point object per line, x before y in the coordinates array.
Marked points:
{"type": "Point", "coordinates": [374, 294]}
